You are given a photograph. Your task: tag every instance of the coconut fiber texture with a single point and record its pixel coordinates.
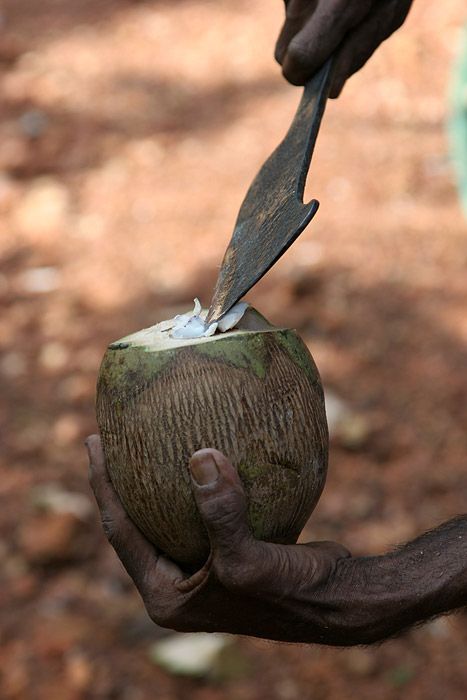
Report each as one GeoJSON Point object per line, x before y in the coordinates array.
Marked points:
{"type": "Point", "coordinates": [254, 395]}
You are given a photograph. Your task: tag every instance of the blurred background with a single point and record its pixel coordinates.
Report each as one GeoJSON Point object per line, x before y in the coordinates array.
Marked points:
{"type": "Point", "coordinates": [129, 133]}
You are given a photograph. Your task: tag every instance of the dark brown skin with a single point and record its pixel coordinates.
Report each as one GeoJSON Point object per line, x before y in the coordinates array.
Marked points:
{"type": "Point", "coordinates": [315, 592]}
{"type": "Point", "coordinates": [353, 29]}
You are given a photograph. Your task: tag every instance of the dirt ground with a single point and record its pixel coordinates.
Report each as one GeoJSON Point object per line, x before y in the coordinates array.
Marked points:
{"type": "Point", "coordinates": [129, 132]}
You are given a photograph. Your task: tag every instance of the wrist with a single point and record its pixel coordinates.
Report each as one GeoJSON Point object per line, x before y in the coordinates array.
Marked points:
{"type": "Point", "coordinates": [373, 603]}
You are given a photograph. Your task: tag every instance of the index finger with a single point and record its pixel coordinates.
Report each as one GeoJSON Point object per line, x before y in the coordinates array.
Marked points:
{"type": "Point", "coordinates": [297, 13]}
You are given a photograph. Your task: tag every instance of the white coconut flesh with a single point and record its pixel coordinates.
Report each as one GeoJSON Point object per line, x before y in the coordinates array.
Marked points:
{"type": "Point", "coordinates": [191, 328]}
{"type": "Point", "coordinates": [193, 325]}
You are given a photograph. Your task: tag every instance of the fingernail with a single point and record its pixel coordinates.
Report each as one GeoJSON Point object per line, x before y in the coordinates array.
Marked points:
{"type": "Point", "coordinates": [204, 469]}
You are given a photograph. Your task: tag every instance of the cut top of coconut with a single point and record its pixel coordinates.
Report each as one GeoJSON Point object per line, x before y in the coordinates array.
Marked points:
{"type": "Point", "coordinates": [193, 325]}
{"type": "Point", "coordinates": [191, 328]}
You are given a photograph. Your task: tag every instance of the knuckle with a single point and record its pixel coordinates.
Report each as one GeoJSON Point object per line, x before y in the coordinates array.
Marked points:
{"type": "Point", "coordinates": [108, 526]}
{"type": "Point", "coordinates": [225, 511]}
{"type": "Point", "coordinates": [314, 570]}
{"type": "Point", "coordinates": [225, 520]}
{"type": "Point", "coordinates": [112, 527]}
{"type": "Point", "coordinates": [298, 54]}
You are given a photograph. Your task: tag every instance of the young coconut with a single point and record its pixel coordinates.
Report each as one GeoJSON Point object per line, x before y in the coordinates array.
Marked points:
{"type": "Point", "coordinates": [252, 391]}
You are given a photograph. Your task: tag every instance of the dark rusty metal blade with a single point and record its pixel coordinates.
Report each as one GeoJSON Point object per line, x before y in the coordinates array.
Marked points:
{"type": "Point", "coordinates": [273, 214]}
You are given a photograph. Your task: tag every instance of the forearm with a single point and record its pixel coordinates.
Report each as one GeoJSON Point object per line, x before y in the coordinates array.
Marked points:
{"type": "Point", "coordinates": [373, 598]}
{"type": "Point", "coordinates": [366, 599]}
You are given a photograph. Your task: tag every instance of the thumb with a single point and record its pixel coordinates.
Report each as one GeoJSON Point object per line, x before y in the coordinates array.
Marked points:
{"type": "Point", "coordinates": [221, 502]}
{"type": "Point", "coordinates": [241, 562]}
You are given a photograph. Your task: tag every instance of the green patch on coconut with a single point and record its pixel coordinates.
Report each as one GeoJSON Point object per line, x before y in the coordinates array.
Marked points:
{"type": "Point", "coordinates": [251, 354]}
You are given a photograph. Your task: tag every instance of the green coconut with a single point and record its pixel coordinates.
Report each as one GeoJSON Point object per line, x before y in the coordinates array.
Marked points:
{"type": "Point", "coordinates": [253, 392]}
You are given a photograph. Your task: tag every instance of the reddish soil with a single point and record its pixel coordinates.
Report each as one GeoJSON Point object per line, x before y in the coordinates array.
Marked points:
{"type": "Point", "coordinates": [129, 133]}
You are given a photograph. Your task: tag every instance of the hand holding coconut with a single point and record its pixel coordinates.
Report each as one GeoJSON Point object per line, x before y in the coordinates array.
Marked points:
{"type": "Point", "coordinates": [238, 588]}
{"type": "Point", "coordinates": [315, 593]}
